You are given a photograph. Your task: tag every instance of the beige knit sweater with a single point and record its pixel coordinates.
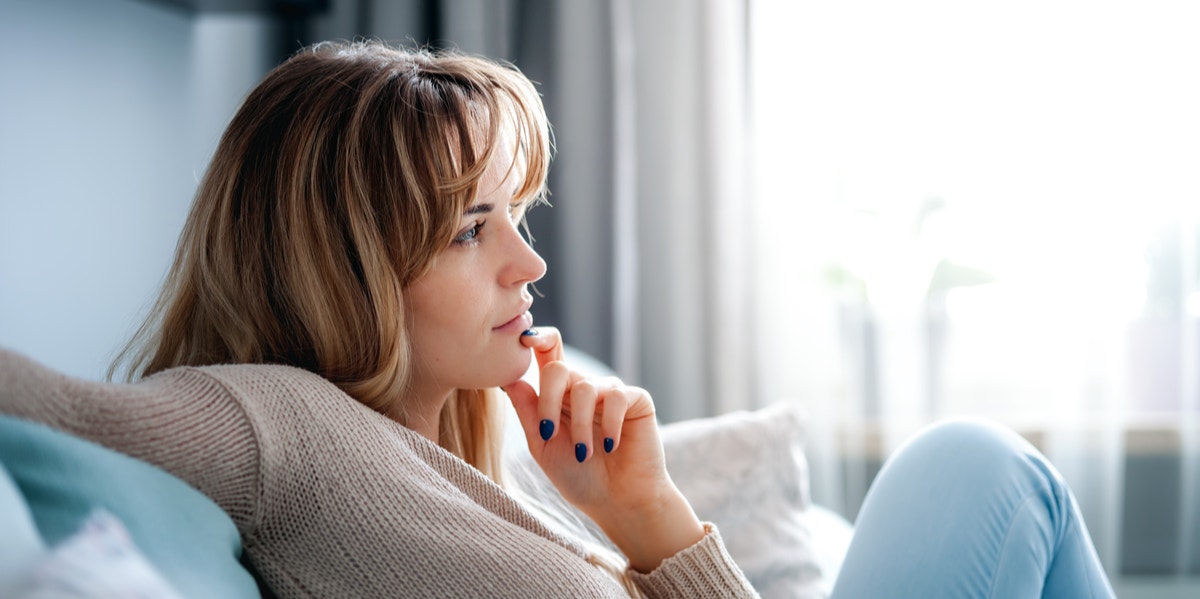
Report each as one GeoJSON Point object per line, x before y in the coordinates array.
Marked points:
{"type": "Point", "coordinates": [333, 499]}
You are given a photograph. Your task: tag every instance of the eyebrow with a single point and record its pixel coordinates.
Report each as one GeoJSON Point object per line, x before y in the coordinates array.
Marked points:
{"type": "Point", "coordinates": [478, 209]}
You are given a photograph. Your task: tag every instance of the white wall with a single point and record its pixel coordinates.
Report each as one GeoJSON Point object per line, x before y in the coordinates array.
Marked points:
{"type": "Point", "coordinates": [109, 110]}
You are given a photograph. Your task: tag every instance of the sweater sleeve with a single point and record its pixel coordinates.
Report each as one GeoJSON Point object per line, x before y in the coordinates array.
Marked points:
{"type": "Point", "coordinates": [180, 420]}
{"type": "Point", "coordinates": [702, 570]}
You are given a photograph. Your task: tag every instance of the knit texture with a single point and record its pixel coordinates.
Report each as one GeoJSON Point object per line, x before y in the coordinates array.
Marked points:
{"type": "Point", "coordinates": [333, 499]}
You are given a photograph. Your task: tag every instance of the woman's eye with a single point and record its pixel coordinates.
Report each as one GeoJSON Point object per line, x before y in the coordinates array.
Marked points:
{"type": "Point", "coordinates": [469, 235]}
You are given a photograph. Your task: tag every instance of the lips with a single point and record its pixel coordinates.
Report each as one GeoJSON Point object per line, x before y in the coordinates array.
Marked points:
{"type": "Point", "coordinates": [522, 321]}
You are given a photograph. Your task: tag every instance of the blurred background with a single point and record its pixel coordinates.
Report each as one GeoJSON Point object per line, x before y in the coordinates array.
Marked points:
{"type": "Point", "coordinates": [887, 214]}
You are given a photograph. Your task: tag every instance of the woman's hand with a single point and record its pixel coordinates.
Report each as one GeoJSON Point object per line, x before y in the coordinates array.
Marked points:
{"type": "Point", "coordinates": [597, 440]}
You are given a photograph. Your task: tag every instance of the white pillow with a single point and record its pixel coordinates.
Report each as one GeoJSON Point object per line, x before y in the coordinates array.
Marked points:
{"type": "Point", "coordinates": [98, 561]}
{"type": "Point", "coordinates": [744, 471]}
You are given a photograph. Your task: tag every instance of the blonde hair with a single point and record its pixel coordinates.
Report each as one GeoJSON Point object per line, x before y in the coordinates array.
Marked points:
{"type": "Point", "coordinates": [340, 178]}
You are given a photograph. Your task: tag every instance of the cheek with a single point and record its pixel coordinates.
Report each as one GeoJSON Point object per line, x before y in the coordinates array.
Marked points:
{"type": "Point", "coordinates": [448, 311]}
{"type": "Point", "coordinates": [447, 319]}
{"type": "Point", "coordinates": [423, 320]}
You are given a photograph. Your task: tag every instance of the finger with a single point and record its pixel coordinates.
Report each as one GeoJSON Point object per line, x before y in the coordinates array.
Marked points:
{"type": "Point", "coordinates": [555, 379]}
{"type": "Point", "coordinates": [583, 412]}
{"type": "Point", "coordinates": [525, 402]}
{"type": "Point", "coordinates": [616, 404]}
{"type": "Point", "coordinates": [640, 404]}
{"type": "Point", "coordinates": [546, 343]}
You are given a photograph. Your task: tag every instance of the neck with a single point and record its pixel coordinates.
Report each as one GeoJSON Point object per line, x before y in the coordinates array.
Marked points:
{"type": "Point", "coordinates": [422, 412]}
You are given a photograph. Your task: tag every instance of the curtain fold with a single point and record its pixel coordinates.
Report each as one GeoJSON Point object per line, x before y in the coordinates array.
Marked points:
{"type": "Point", "coordinates": [692, 219]}
{"type": "Point", "coordinates": [1188, 553]}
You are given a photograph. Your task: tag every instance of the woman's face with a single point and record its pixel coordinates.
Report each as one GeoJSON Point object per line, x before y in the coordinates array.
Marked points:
{"type": "Point", "coordinates": [466, 314]}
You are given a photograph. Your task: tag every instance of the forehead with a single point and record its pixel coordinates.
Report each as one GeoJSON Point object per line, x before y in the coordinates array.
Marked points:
{"type": "Point", "coordinates": [507, 165]}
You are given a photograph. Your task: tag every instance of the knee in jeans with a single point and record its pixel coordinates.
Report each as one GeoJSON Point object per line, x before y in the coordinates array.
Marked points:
{"type": "Point", "coordinates": [973, 443]}
{"type": "Point", "coordinates": [973, 433]}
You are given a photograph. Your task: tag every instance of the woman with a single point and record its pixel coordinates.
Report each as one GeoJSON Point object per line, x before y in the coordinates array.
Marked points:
{"type": "Point", "coordinates": [349, 292]}
{"type": "Point", "coordinates": [357, 230]}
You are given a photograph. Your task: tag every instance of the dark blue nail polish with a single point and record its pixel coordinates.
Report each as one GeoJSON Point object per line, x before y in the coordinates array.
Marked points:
{"type": "Point", "coordinates": [608, 445]}
{"type": "Point", "coordinates": [580, 452]}
{"type": "Point", "coordinates": [546, 429]}
{"type": "Point", "coordinates": [529, 332]}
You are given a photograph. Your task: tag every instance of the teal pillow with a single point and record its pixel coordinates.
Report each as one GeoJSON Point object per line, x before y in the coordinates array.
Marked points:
{"type": "Point", "coordinates": [186, 536]}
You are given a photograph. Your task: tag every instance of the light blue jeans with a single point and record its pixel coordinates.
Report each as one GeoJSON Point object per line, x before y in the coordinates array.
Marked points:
{"type": "Point", "coordinates": [970, 509]}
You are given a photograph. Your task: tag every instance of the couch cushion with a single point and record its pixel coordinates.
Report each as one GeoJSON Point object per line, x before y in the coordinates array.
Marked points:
{"type": "Point", "coordinates": [186, 536]}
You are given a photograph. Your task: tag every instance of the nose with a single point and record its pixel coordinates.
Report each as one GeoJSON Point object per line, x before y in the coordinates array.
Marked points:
{"type": "Point", "coordinates": [524, 265]}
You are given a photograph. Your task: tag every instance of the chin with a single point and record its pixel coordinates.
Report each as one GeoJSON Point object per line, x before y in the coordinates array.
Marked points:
{"type": "Point", "coordinates": [500, 370]}
{"type": "Point", "coordinates": [517, 369]}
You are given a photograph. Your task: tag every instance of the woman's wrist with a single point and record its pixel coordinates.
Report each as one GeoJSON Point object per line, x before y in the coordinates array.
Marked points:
{"type": "Point", "coordinates": [661, 531]}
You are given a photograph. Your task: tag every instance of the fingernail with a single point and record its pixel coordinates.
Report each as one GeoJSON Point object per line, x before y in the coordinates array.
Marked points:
{"type": "Point", "coordinates": [546, 429]}
{"type": "Point", "coordinates": [529, 332]}
{"type": "Point", "coordinates": [580, 452]}
{"type": "Point", "coordinates": [608, 444]}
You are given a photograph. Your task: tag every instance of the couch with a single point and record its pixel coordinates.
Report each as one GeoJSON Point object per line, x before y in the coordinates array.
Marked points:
{"type": "Point", "coordinates": [80, 519]}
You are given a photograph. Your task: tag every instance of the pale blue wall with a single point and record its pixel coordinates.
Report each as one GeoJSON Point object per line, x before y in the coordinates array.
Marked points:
{"type": "Point", "coordinates": [108, 112]}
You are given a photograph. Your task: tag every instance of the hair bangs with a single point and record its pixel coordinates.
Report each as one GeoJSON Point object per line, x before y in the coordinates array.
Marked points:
{"type": "Point", "coordinates": [501, 107]}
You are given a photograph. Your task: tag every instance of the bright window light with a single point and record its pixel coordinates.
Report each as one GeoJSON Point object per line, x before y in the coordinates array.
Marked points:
{"type": "Point", "coordinates": [1022, 159]}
